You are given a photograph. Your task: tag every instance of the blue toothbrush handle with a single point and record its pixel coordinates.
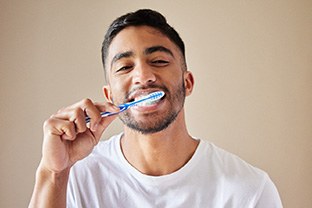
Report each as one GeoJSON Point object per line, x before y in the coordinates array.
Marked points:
{"type": "Point", "coordinates": [107, 113]}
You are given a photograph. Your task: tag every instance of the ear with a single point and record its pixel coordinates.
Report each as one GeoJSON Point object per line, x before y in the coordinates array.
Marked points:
{"type": "Point", "coordinates": [188, 82]}
{"type": "Point", "coordinates": [107, 93]}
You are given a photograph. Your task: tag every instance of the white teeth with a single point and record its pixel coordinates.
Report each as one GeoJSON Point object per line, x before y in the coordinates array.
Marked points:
{"type": "Point", "coordinates": [149, 99]}
{"type": "Point", "coordinates": [147, 102]}
{"type": "Point", "coordinates": [138, 98]}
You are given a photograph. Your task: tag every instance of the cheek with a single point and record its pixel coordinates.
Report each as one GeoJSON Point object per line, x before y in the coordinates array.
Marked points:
{"type": "Point", "coordinates": [176, 82]}
{"type": "Point", "coordinates": [119, 90]}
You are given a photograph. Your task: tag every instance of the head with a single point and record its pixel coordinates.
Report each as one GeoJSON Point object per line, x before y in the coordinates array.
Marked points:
{"type": "Point", "coordinates": [142, 54]}
{"type": "Point", "coordinates": [143, 17]}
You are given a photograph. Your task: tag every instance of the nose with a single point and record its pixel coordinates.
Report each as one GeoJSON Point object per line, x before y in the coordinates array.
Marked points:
{"type": "Point", "coordinates": [143, 75]}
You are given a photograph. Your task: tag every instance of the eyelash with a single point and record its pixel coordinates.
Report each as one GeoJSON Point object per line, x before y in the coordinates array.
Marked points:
{"type": "Point", "coordinates": [160, 62]}
{"type": "Point", "coordinates": [124, 68]}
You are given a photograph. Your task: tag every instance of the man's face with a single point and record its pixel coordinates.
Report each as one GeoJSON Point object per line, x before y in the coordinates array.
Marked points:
{"type": "Point", "coordinates": [142, 60]}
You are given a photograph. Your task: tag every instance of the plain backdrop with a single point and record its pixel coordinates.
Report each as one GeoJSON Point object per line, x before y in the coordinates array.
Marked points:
{"type": "Point", "coordinates": [252, 62]}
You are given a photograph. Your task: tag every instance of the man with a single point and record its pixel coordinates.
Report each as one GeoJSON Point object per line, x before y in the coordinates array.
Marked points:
{"type": "Point", "coordinates": [154, 162]}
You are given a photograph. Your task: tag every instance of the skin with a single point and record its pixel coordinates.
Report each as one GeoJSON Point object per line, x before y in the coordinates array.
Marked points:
{"type": "Point", "coordinates": [132, 71]}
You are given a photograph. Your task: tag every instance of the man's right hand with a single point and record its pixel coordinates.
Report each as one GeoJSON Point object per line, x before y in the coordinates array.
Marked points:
{"type": "Point", "coordinates": [67, 136]}
{"type": "Point", "coordinates": [67, 139]}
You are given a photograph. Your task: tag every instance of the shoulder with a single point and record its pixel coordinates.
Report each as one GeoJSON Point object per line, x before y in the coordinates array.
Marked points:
{"type": "Point", "coordinates": [231, 169]}
{"type": "Point", "coordinates": [228, 162]}
{"type": "Point", "coordinates": [240, 178]}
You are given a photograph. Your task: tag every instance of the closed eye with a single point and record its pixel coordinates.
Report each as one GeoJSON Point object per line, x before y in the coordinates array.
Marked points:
{"type": "Point", "coordinates": [160, 62]}
{"type": "Point", "coordinates": [123, 69]}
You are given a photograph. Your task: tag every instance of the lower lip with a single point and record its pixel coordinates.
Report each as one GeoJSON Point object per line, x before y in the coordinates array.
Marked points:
{"type": "Point", "coordinates": [148, 108]}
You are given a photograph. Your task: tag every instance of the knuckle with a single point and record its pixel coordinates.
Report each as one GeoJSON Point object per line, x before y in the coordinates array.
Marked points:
{"type": "Point", "coordinates": [47, 123]}
{"type": "Point", "coordinates": [86, 101]}
{"type": "Point", "coordinates": [61, 110]}
{"type": "Point", "coordinates": [77, 112]}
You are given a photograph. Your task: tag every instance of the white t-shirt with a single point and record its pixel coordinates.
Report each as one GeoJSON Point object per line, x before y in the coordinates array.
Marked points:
{"type": "Point", "coordinates": [212, 178]}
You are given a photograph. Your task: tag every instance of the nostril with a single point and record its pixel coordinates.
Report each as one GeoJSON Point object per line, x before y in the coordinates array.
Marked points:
{"type": "Point", "coordinates": [150, 80]}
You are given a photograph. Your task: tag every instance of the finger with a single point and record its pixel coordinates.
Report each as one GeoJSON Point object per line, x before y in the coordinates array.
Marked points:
{"type": "Point", "coordinates": [58, 127]}
{"type": "Point", "coordinates": [92, 112]}
{"type": "Point", "coordinates": [75, 115]}
{"type": "Point", "coordinates": [78, 111]}
{"type": "Point", "coordinates": [79, 120]}
{"type": "Point", "coordinates": [102, 126]}
{"type": "Point", "coordinates": [107, 107]}
{"type": "Point", "coordinates": [105, 122]}
{"type": "Point", "coordinates": [104, 107]}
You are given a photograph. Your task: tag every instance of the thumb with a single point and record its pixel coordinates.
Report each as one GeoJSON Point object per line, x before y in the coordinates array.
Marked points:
{"type": "Point", "coordinates": [102, 125]}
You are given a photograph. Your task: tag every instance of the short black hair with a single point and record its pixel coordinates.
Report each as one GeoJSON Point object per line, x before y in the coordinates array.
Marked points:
{"type": "Point", "coordinates": [146, 17]}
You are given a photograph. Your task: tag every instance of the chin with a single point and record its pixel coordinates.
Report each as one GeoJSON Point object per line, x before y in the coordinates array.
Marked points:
{"type": "Point", "coordinates": [152, 124]}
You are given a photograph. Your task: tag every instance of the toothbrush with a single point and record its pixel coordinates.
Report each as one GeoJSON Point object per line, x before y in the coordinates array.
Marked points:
{"type": "Point", "coordinates": [150, 97]}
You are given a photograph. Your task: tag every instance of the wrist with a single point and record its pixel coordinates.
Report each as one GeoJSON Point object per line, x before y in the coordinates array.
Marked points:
{"type": "Point", "coordinates": [45, 175]}
{"type": "Point", "coordinates": [50, 188]}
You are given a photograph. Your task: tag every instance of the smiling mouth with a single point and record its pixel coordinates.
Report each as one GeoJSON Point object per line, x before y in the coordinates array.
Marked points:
{"type": "Point", "coordinates": [147, 102]}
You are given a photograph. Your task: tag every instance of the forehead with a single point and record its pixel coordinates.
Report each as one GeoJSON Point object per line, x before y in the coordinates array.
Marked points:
{"type": "Point", "coordinates": [137, 39]}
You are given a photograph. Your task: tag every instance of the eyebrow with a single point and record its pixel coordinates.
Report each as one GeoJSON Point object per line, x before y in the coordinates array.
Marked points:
{"type": "Point", "coordinates": [121, 55]}
{"type": "Point", "coordinates": [154, 49]}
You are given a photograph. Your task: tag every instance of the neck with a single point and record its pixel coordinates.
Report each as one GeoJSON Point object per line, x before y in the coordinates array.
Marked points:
{"type": "Point", "coordinates": [160, 153]}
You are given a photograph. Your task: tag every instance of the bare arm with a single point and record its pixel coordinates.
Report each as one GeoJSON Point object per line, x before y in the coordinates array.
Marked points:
{"type": "Point", "coordinates": [50, 189]}
{"type": "Point", "coordinates": [67, 139]}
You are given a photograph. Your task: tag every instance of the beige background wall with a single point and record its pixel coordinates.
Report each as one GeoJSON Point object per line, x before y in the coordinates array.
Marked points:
{"type": "Point", "coordinates": [252, 62]}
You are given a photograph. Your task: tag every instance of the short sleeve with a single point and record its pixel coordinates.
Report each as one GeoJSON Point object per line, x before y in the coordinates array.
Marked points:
{"type": "Point", "coordinates": [269, 198]}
